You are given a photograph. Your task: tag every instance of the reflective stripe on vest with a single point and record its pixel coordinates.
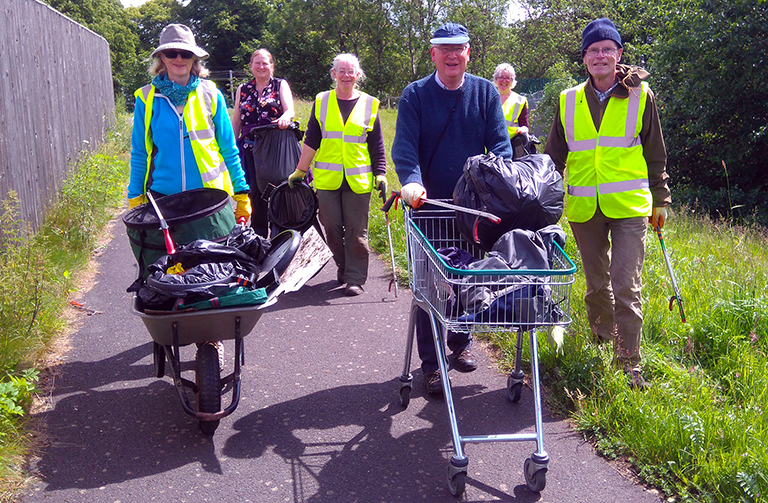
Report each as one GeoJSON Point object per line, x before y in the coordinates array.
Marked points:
{"type": "Point", "coordinates": [512, 109]}
{"type": "Point", "coordinates": [606, 165]}
{"type": "Point", "coordinates": [198, 118]}
{"type": "Point", "coordinates": [343, 151]}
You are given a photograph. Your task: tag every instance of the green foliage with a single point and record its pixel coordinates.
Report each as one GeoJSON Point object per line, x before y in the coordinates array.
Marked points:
{"type": "Point", "coordinates": [16, 394]}
{"type": "Point", "coordinates": [714, 104]}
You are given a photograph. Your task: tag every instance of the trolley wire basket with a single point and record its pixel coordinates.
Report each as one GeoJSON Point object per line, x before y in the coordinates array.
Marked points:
{"type": "Point", "coordinates": [482, 300]}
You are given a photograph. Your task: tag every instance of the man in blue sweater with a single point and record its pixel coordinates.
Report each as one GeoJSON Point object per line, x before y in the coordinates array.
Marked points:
{"type": "Point", "coordinates": [442, 120]}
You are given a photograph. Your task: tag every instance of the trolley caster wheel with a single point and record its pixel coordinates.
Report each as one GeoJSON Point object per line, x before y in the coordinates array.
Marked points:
{"type": "Point", "coordinates": [457, 484]}
{"type": "Point", "coordinates": [514, 388]}
{"type": "Point", "coordinates": [405, 396]}
{"type": "Point", "coordinates": [158, 357]}
{"type": "Point", "coordinates": [535, 476]}
{"type": "Point", "coordinates": [208, 375]}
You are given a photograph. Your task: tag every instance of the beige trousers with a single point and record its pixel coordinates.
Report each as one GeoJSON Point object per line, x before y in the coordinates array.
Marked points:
{"type": "Point", "coordinates": [612, 254]}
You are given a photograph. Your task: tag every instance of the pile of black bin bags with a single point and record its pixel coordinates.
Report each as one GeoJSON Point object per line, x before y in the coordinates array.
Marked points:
{"type": "Point", "coordinates": [214, 274]}
{"type": "Point", "coordinates": [527, 194]}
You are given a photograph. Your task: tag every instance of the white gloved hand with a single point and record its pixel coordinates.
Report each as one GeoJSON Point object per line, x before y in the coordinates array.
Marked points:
{"type": "Point", "coordinates": [413, 193]}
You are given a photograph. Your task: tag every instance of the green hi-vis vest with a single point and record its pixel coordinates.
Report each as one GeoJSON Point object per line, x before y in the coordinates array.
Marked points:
{"type": "Point", "coordinates": [513, 107]}
{"type": "Point", "coordinates": [198, 117]}
{"type": "Point", "coordinates": [607, 165]}
{"type": "Point", "coordinates": [343, 151]}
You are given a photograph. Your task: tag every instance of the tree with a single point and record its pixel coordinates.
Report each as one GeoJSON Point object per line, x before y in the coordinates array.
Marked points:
{"type": "Point", "coordinates": [711, 66]}
{"type": "Point", "coordinates": [221, 26]}
{"type": "Point", "coordinates": [485, 20]}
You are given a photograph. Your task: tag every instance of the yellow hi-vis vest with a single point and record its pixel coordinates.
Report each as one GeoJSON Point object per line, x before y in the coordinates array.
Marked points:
{"type": "Point", "coordinates": [343, 151]}
{"type": "Point", "coordinates": [198, 118]}
{"type": "Point", "coordinates": [607, 165]}
{"type": "Point", "coordinates": [513, 107]}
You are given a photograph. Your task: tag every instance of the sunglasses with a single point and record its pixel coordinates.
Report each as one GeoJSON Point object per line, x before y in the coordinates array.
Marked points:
{"type": "Point", "coordinates": [172, 54]}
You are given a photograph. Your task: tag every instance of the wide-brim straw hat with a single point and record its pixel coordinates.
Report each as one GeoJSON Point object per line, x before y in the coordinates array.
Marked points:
{"type": "Point", "coordinates": [180, 37]}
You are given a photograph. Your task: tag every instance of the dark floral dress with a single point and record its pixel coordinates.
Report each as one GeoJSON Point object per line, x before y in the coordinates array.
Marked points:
{"type": "Point", "coordinates": [259, 110]}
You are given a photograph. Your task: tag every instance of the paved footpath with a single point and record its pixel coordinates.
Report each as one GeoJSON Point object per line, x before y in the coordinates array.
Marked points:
{"type": "Point", "coordinates": [319, 420]}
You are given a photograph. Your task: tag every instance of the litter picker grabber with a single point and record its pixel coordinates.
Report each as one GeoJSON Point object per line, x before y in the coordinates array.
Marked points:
{"type": "Point", "coordinates": [676, 296]}
{"type": "Point", "coordinates": [436, 202]}
{"type": "Point", "coordinates": [387, 205]}
{"type": "Point", "coordinates": [169, 247]}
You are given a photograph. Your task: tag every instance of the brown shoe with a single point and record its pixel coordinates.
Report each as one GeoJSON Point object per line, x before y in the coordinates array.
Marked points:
{"type": "Point", "coordinates": [464, 361]}
{"type": "Point", "coordinates": [353, 290]}
{"type": "Point", "coordinates": [636, 381]}
{"type": "Point", "coordinates": [433, 382]}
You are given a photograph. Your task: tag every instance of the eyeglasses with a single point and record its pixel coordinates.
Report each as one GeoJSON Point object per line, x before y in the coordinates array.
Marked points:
{"type": "Point", "coordinates": [607, 51]}
{"type": "Point", "coordinates": [505, 79]}
{"type": "Point", "coordinates": [345, 71]}
{"type": "Point", "coordinates": [171, 54]}
{"type": "Point", "coordinates": [455, 49]}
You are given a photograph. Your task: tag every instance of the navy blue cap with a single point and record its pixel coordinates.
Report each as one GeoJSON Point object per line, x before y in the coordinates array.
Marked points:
{"type": "Point", "coordinates": [597, 30]}
{"type": "Point", "coordinates": [450, 33]}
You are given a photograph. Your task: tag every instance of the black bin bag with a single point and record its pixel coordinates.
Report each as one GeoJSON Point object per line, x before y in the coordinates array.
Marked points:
{"type": "Point", "coordinates": [526, 193]}
{"type": "Point", "coordinates": [276, 153]}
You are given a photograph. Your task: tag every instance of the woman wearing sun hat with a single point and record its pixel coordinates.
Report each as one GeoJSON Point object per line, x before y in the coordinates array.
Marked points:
{"type": "Point", "coordinates": [182, 138]}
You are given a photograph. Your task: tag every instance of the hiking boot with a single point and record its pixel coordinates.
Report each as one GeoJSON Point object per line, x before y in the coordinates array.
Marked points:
{"type": "Point", "coordinates": [353, 290]}
{"type": "Point", "coordinates": [433, 383]}
{"type": "Point", "coordinates": [636, 381]}
{"type": "Point", "coordinates": [464, 361]}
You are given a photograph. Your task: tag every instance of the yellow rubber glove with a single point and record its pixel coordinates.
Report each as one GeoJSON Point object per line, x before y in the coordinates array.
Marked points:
{"type": "Point", "coordinates": [135, 201]}
{"type": "Point", "coordinates": [243, 209]}
{"type": "Point", "coordinates": [412, 193]}
{"type": "Point", "coordinates": [381, 185]}
{"type": "Point", "coordinates": [296, 175]}
{"type": "Point", "coordinates": [658, 217]}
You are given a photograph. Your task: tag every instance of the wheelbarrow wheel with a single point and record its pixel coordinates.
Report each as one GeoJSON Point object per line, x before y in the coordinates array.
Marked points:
{"type": "Point", "coordinates": [208, 374]}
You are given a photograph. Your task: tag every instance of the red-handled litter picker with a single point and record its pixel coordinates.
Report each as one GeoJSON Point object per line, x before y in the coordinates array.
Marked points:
{"type": "Point", "coordinates": [169, 247]}
{"type": "Point", "coordinates": [387, 205]}
{"type": "Point", "coordinates": [676, 296]}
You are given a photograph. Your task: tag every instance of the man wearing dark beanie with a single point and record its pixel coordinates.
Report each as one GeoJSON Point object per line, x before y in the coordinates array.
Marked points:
{"type": "Point", "coordinates": [606, 132]}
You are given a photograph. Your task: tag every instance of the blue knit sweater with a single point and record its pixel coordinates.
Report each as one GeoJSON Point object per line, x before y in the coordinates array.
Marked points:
{"type": "Point", "coordinates": [477, 126]}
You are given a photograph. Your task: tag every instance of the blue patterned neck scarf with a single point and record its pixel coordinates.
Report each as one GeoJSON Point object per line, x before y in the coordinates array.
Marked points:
{"type": "Point", "coordinates": [176, 93]}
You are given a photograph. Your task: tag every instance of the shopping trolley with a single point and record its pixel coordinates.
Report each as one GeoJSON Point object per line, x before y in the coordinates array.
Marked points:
{"type": "Point", "coordinates": [482, 301]}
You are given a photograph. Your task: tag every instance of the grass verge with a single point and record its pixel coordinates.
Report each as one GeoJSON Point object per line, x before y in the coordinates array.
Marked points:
{"type": "Point", "coordinates": [36, 277]}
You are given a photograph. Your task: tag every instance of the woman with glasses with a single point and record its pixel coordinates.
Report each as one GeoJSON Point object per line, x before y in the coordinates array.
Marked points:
{"type": "Point", "coordinates": [182, 138]}
{"type": "Point", "coordinates": [344, 138]}
{"type": "Point", "coordinates": [515, 107]}
{"type": "Point", "coordinates": [259, 102]}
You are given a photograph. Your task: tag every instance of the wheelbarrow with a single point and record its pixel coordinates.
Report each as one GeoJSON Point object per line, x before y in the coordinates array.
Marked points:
{"type": "Point", "coordinates": [206, 329]}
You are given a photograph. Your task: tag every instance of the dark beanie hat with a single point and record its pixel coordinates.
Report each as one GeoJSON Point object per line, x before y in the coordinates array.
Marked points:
{"type": "Point", "coordinates": [597, 30]}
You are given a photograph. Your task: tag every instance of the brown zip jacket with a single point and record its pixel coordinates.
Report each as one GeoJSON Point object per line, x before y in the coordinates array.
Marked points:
{"type": "Point", "coordinates": [654, 151]}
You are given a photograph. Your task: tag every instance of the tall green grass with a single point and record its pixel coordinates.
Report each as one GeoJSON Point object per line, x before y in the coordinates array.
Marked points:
{"type": "Point", "coordinates": [36, 277]}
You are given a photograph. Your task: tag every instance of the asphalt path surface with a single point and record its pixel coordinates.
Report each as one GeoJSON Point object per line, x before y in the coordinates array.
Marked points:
{"type": "Point", "coordinates": [319, 420]}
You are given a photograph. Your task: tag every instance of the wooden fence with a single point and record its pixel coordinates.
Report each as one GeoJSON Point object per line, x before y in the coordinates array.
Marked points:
{"type": "Point", "coordinates": [56, 101]}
